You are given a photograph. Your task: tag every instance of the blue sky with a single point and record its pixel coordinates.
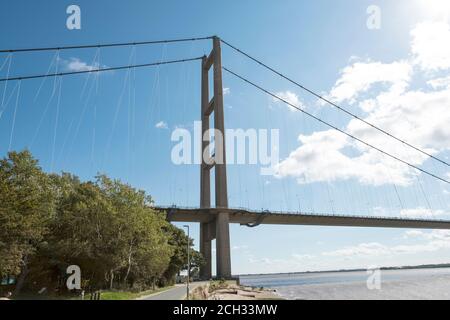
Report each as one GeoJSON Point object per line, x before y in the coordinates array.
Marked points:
{"type": "Point", "coordinates": [108, 123]}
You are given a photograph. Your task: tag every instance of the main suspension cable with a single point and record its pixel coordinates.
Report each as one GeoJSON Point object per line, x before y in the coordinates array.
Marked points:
{"type": "Point", "coordinates": [108, 45]}
{"type": "Point", "coordinates": [99, 70]}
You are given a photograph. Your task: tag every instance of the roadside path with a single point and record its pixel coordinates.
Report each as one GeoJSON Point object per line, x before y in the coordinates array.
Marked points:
{"type": "Point", "coordinates": [176, 293]}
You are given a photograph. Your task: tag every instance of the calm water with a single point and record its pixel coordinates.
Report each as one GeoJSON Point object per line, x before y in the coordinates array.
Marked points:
{"type": "Point", "coordinates": [395, 284]}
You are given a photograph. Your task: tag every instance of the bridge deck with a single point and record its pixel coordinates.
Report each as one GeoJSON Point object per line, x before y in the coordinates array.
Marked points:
{"type": "Point", "coordinates": [252, 218]}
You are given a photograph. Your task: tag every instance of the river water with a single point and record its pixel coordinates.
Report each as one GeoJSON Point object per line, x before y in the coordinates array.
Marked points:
{"type": "Point", "coordinates": [420, 284]}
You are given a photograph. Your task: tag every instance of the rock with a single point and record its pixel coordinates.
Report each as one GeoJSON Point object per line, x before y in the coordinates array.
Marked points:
{"type": "Point", "coordinates": [226, 291]}
{"type": "Point", "coordinates": [247, 294]}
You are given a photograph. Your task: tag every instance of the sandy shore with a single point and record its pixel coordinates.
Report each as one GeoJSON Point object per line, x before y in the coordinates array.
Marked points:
{"type": "Point", "coordinates": [232, 291]}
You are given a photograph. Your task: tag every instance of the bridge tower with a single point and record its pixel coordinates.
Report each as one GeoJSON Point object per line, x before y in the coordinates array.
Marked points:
{"type": "Point", "coordinates": [218, 228]}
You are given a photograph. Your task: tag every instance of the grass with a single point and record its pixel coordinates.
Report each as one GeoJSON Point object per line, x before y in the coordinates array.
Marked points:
{"type": "Point", "coordinates": [118, 295]}
{"type": "Point", "coordinates": [220, 284]}
{"type": "Point", "coordinates": [106, 295]}
{"type": "Point", "coordinates": [127, 295]}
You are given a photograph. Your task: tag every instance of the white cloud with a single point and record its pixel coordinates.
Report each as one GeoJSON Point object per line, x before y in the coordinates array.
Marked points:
{"type": "Point", "coordinates": [290, 97]}
{"type": "Point", "coordinates": [363, 249]}
{"type": "Point", "coordinates": [414, 242]}
{"type": "Point", "coordinates": [226, 91]}
{"type": "Point", "coordinates": [419, 117]}
{"type": "Point", "coordinates": [412, 234]}
{"type": "Point", "coordinates": [75, 65]}
{"type": "Point", "coordinates": [361, 76]}
{"type": "Point", "coordinates": [239, 248]}
{"type": "Point", "coordinates": [431, 45]}
{"type": "Point", "coordinates": [421, 213]}
{"type": "Point", "coordinates": [161, 125]}
{"type": "Point", "coordinates": [321, 158]}
{"type": "Point", "coordinates": [301, 257]}
{"type": "Point", "coordinates": [440, 83]}
{"type": "Point", "coordinates": [294, 263]}
{"type": "Point", "coordinates": [436, 235]}
{"type": "Point", "coordinates": [433, 241]}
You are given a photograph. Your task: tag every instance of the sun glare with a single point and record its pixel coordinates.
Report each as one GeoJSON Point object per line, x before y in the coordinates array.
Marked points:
{"type": "Point", "coordinates": [435, 8]}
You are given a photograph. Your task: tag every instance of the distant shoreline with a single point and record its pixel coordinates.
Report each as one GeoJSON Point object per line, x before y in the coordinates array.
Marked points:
{"type": "Point", "coordinates": [424, 266]}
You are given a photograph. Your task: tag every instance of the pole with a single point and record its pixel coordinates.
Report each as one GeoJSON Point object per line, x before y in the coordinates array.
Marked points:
{"type": "Point", "coordinates": [189, 262]}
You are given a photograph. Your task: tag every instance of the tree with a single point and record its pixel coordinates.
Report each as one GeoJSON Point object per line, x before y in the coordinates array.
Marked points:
{"type": "Point", "coordinates": [144, 248]}
{"type": "Point", "coordinates": [26, 208]}
{"type": "Point", "coordinates": [108, 228]}
{"type": "Point", "coordinates": [84, 232]}
{"type": "Point", "coordinates": [197, 261]}
{"type": "Point", "coordinates": [178, 261]}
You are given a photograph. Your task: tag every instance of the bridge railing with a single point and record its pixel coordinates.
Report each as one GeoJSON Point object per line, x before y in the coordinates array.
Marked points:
{"type": "Point", "coordinates": [278, 212]}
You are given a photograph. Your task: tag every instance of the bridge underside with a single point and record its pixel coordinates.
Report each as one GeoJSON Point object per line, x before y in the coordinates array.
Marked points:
{"type": "Point", "coordinates": [252, 219]}
{"type": "Point", "coordinates": [208, 219]}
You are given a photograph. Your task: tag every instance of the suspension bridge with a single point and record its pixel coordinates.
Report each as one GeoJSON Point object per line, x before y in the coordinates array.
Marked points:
{"type": "Point", "coordinates": [215, 219]}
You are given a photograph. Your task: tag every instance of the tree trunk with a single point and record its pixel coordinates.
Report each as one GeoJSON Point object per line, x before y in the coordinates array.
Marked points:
{"type": "Point", "coordinates": [22, 277]}
{"type": "Point", "coordinates": [111, 279]}
{"type": "Point", "coordinates": [129, 264]}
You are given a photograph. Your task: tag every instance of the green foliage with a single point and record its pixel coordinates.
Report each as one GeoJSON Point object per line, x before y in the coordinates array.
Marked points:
{"type": "Point", "coordinates": [26, 207]}
{"type": "Point", "coordinates": [108, 228]}
{"type": "Point", "coordinates": [179, 241]}
{"type": "Point", "coordinates": [217, 285]}
{"type": "Point", "coordinates": [126, 295]}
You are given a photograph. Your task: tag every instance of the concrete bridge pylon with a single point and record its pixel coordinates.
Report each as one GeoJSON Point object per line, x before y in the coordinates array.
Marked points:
{"type": "Point", "coordinates": [218, 228]}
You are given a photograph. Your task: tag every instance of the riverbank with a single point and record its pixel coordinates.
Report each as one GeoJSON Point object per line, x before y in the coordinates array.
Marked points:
{"type": "Point", "coordinates": [230, 290]}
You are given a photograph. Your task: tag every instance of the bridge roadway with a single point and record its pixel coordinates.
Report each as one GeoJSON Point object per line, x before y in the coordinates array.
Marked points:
{"type": "Point", "coordinates": [254, 218]}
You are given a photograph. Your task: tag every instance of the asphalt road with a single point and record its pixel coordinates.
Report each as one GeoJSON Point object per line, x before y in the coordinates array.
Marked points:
{"type": "Point", "coordinates": [177, 293]}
